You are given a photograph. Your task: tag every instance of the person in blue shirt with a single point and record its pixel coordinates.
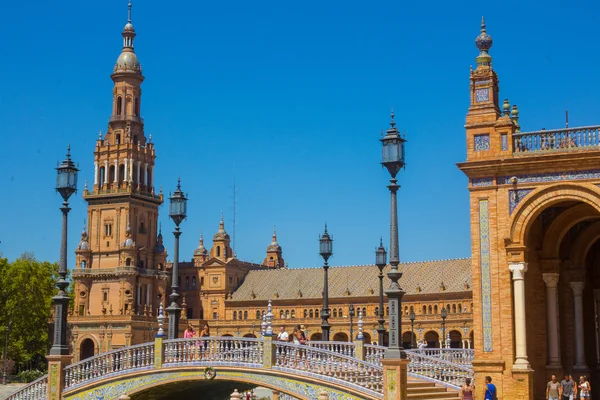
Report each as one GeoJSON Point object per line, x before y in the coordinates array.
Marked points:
{"type": "Point", "coordinates": [490, 389]}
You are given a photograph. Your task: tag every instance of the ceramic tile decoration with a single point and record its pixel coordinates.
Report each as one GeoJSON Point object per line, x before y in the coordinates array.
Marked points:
{"type": "Point", "coordinates": [504, 141]}
{"type": "Point", "coordinates": [478, 182]}
{"type": "Point", "coordinates": [552, 176]}
{"type": "Point", "coordinates": [486, 284]}
{"type": "Point", "coordinates": [515, 196]}
{"type": "Point", "coordinates": [482, 95]}
{"type": "Point", "coordinates": [481, 142]}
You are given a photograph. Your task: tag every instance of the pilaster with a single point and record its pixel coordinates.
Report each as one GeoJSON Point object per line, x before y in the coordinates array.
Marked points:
{"type": "Point", "coordinates": [395, 379]}
{"type": "Point", "coordinates": [56, 375]}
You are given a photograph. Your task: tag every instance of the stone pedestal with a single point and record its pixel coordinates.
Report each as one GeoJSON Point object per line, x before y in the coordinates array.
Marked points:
{"type": "Point", "coordinates": [235, 395]}
{"type": "Point", "coordinates": [395, 379]}
{"type": "Point", "coordinates": [523, 386]}
{"type": "Point", "coordinates": [56, 375]}
{"type": "Point", "coordinates": [275, 395]}
{"type": "Point", "coordinates": [359, 349]}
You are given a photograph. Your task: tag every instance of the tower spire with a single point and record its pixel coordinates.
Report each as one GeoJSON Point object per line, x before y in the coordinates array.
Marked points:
{"type": "Point", "coordinates": [129, 12]}
{"type": "Point", "coordinates": [483, 43]}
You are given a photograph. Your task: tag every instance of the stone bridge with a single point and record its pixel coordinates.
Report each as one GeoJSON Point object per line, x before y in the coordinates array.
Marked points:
{"type": "Point", "coordinates": [343, 370]}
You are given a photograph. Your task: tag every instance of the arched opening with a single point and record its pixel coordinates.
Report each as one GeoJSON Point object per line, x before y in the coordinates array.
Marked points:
{"type": "Point", "coordinates": [409, 340]}
{"type": "Point", "coordinates": [227, 335]}
{"type": "Point", "coordinates": [367, 337]}
{"type": "Point", "coordinates": [306, 313]}
{"type": "Point", "coordinates": [559, 277]}
{"type": "Point", "coordinates": [83, 264]}
{"type": "Point", "coordinates": [424, 309]}
{"type": "Point", "coordinates": [455, 340]}
{"type": "Point", "coordinates": [235, 315]}
{"type": "Point", "coordinates": [315, 336]}
{"type": "Point", "coordinates": [86, 349]}
{"type": "Point", "coordinates": [119, 105]}
{"type": "Point", "coordinates": [334, 313]}
{"type": "Point", "coordinates": [433, 339]}
{"type": "Point", "coordinates": [218, 251]}
{"type": "Point", "coordinates": [340, 337]}
{"type": "Point", "coordinates": [102, 176]}
{"type": "Point", "coordinates": [111, 174]}
{"type": "Point", "coordinates": [105, 296]}
{"type": "Point", "coordinates": [136, 107]}
{"type": "Point", "coordinates": [245, 314]}
{"type": "Point", "coordinates": [310, 314]}
{"type": "Point", "coordinates": [128, 261]}
{"type": "Point", "coordinates": [250, 335]}
{"type": "Point", "coordinates": [121, 173]}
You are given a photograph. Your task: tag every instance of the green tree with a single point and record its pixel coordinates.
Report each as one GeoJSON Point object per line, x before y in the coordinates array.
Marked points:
{"type": "Point", "coordinates": [26, 290]}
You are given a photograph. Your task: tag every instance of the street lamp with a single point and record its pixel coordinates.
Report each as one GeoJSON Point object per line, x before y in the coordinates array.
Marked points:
{"type": "Point", "coordinates": [177, 212]}
{"type": "Point", "coordinates": [393, 160]}
{"type": "Point", "coordinates": [444, 315]}
{"type": "Point", "coordinates": [351, 315]}
{"type": "Point", "coordinates": [412, 318]}
{"type": "Point", "coordinates": [326, 250]}
{"type": "Point", "coordinates": [381, 262]}
{"type": "Point", "coordinates": [66, 185]}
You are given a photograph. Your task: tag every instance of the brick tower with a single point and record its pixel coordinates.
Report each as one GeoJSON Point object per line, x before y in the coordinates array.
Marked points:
{"type": "Point", "coordinates": [119, 279]}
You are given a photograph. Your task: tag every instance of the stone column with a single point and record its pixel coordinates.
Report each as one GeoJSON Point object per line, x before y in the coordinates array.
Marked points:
{"type": "Point", "coordinates": [518, 275]}
{"type": "Point", "coordinates": [139, 172]}
{"type": "Point", "coordinates": [116, 171]}
{"type": "Point", "coordinates": [130, 176]}
{"type": "Point", "coordinates": [95, 173]}
{"type": "Point", "coordinates": [145, 181]}
{"type": "Point", "coordinates": [151, 177]}
{"type": "Point", "coordinates": [275, 395]}
{"type": "Point", "coordinates": [126, 175]}
{"type": "Point", "coordinates": [105, 182]}
{"type": "Point", "coordinates": [551, 281]}
{"type": "Point", "coordinates": [577, 288]}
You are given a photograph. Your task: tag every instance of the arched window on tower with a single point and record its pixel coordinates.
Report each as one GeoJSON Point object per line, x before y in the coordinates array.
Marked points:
{"type": "Point", "coordinates": [377, 311]}
{"type": "Point", "coordinates": [287, 314]}
{"type": "Point", "coordinates": [280, 314]}
{"type": "Point", "coordinates": [334, 313]}
{"type": "Point", "coordinates": [431, 309]}
{"type": "Point", "coordinates": [82, 264]}
{"type": "Point", "coordinates": [435, 309]}
{"type": "Point", "coordinates": [316, 313]}
{"type": "Point", "coordinates": [218, 251]}
{"type": "Point", "coordinates": [293, 314]}
{"type": "Point", "coordinates": [245, 314]}
{"type": "Point", "coordinates": [102, 176]}
{"type": "Point", "coordinates": [111, 174]}
{"type": "Point", "coordinates": [459, 308]}
{"type": "Point", "coordinates": [136, 108]}
{"type": "Point", "coordinates": [306, 313]}
{"type": "Point", "coordinates": [311, 315]}
{"type": "Point", "coordinates": [454, 308]}
{"type": "Point", "coordinates": [235, 315]}
{"type": "Point", "coordinates": [121, 173]}
{"type": "Point", "coordinates": [128, 262]}
{"type": "Point", "coordinates": [193, 282]}
{"type": "Point", "coordinates": [424, 309]}
{"type": "Point", "coordinates": [364, 312]}
{"type": "Point", "coordinates": [119, 105]}
{"type": "Point", "coordinates": [258, 316]}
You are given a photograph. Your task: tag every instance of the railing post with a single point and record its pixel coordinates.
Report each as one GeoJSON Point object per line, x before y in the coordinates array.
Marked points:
{"type": "Point", "coordinates": [158, 339]}
{"type": "Point", "coordinates": [359, 349]}
{"type": "Point", "coordinates": [395, 378]}
{"type": "Point", "coordinates": [56, 375]}
{"type": "Point", "coordinates": [269, 352]}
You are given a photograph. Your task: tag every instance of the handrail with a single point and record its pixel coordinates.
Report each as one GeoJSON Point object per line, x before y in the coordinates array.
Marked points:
{"type": "Point", "coordinates": [557, 140]}
{"type": "Point", "coordinates": [437, 370]}
{"type": "Point", "coordinates": [216, 350]}
{"type": "Point", "coordinates": [36, 390]}
{"type": "Point", "coordinates": [125, 117]}
{"type": "Point", "coordinates": [314, 361]}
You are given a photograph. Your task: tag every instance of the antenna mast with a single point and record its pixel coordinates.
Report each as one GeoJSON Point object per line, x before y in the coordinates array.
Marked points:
{"type": "Point", "coordinates": [234, 211]}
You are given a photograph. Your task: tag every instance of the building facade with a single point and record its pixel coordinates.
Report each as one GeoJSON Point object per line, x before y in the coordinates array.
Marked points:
{"type": "Point", "coordinates": [122, 274]}
{"type": "Point", "coordinates": [535, 230]}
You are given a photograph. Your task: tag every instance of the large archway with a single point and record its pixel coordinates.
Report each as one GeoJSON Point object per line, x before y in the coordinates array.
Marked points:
{"type": "Point", "coordinates": [86, 349]}
{"type": "Point", "coordinates": [340, 337]}
{"type": "Point", "coordinates": [433, 339]}
{"type": "Point", "coordinates": [557, 233]}
{"type": "Point", "coordinates": [456, 341]}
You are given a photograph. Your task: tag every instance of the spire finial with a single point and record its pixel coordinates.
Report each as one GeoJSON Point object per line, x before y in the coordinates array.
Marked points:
{"type": "Point", "coordinates": [380, 241]}
{"type": "Point", "coordinates": [482, 24]}
{"type": "Point", "coordinates": [178, 183]}
{"type": "Point", "coordinates": [129, 12]}
{"type": "Point", "coordinates": [483, 43]}
{"type": "Point", "coordinates": [100, 135]}
{"type": "Point", "coordinates": [201, 238]}
{"type": "Point", "coordinates": [392, 116]}
{"type": "Point", "coordinates": [160, 228]}
{"type": "Point", "coordinates": [325, 227]}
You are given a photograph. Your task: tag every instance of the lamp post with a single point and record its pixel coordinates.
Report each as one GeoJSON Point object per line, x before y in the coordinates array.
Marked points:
{"type": "Point", "coordinates": [381, 262]}
{"type": "Point", "coordinates": [351, 315]}
{"type": "Point", "coordinates": [412, 318]}
{"type": "Point", "coordinates": [326, 250]}
{"type": "Point", "coordinates": [177, 212]}
{"type": "Point", "coordinates": [393, 160]}
{"type": "Point", "coordinates": [66, 185]}
{"type": "Point", "coordinates": [444, 315]}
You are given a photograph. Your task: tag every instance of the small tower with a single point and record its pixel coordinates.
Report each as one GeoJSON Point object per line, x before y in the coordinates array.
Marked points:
{"type": "Point", "coordinates": [160, 256]}
{"type": "Point", "coordinates": [200, 254]}
{"type": "Point", "coordinates": [221, 248]}
{"type": "Point", "coordinates": [83, 253]}
{"type": "Point", "coordinates": [274, 258]}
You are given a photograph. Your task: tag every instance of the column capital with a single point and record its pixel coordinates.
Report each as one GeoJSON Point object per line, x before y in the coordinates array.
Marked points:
{"type": "Point", "coordinates": [577, 288]}
{"type": "Point", "coordinates": [550, 279]}
{"type": "Point", "coordinates": [518, 270]}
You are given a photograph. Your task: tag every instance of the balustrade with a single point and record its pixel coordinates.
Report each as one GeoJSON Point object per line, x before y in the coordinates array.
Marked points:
{"type": "Point", "coordinates": [36, 390]}
{"type": "Point", "coordinates": [290, 357]}
{"type": "Point", "coordinates": [345, 348]}
{"type": "Point", "coordinates": [437, 369]}
{"type": "Point", "coordinates": [558, 140]}
{"type": "Point", "coordinates": [216, 350]}
{"type": "Point", "coordinates": [374, 354]}
{"type": "Point", "coordinates": [125, 359]}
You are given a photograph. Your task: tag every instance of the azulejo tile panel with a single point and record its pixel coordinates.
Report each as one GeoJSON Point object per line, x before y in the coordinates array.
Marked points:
{"type": "Point", "coordinates": [482, 95]}
{"type": "Point", "coordinates": [504, 141]}
{"type": "Point", "coordinates": [515, 197]}
{"type": "Point", "coordinates": [478, 182]}
{"type": "Point", "coordinates": [112, 390]}
{"type": "Point", "coordinates": [552, 176]}
{"type": "Point", "coordinates": [481, 142]}
{"type": "Point", "coordinates": [484, 265]}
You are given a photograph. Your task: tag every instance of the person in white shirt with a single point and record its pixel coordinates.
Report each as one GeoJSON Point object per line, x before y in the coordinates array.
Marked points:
{"type": "Point", "coordinates": [423, 345]}
{"type": "Point", "coordinates": [283, 335]}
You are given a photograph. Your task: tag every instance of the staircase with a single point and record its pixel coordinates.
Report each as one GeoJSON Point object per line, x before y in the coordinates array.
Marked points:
{"type": "Point", "coordinates": [418, 389]}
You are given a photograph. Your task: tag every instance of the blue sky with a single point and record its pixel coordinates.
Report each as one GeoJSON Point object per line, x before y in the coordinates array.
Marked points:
{"type": "Point", "coordinates": [289, 97]}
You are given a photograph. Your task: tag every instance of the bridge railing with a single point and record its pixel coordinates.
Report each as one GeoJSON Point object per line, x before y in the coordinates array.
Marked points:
{"type": "Point", "coordinates": [438, 370]}
{"type": "Point", "coordinates": [313, 360]}
{"type": "Point", "coordinates": [214, 350]}
{"type": "Point", "coordinates": [346, 348]}
{"type": "Point", "coordinates": [374, 354]}
{"type": "Point", "coordinates": [36, 390]}
{"type": "Point", "coordinates": [140, 356]}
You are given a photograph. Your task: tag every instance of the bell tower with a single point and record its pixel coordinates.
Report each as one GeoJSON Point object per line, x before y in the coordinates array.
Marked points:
{"type": "Point", "coordinates": [120, 258]}
{"type": "Point", "coordinates": [274, 258]}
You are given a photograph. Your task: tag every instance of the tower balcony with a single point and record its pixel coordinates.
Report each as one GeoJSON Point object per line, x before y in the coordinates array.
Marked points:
{"type": "Point", "coordinates": [556, 141]}
{"type": "Point", "coordinates": [126, 118]}
{"type": "Point", "coordinates": [127, 189]}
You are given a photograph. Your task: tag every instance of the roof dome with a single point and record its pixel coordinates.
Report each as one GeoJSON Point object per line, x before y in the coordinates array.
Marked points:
{"type": "Point", "coordinates": [128, 27]}
{"type": "Point", "coordinates": [128, 62]}
{"type": "Point", "coordinates": [274, 246]}
{"type": "Point", "coordinates": [128, 240]}
{"type": "Point", "coordinates": [83, 244]}
{"type": "Point", "coordinates": [483, 43]}
{"type": "Point", "coordinates": [200, 250]}
{"type": "Point", "coordinates": [221, 234]}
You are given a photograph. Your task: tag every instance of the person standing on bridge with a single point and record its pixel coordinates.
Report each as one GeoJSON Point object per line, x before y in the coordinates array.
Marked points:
{"type": "Point", "coordinates": [283, 336]}
{"type": "Point", "coordinates": [189, 332]}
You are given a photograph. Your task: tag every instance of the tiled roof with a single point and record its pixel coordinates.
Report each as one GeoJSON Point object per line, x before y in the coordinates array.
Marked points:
{"type": "Point", "coordinates": [355, 281]}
